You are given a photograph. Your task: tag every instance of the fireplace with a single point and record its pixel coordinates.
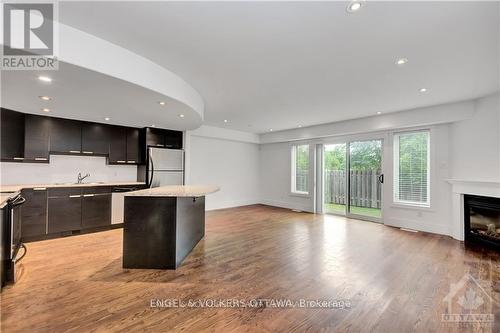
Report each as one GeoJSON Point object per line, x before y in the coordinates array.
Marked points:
{"type": "Point", "coordinates": [482, 220]}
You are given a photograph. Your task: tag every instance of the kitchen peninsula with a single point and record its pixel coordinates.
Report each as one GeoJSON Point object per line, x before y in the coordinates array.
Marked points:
{"type": "Point", "coordinates": [163, 224]}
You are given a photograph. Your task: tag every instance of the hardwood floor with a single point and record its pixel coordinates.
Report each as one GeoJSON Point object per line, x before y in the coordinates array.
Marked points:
{"type": "Point", "coordinates": [395, 280]}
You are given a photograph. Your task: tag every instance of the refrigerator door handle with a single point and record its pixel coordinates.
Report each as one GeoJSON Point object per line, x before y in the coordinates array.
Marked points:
{"type": "Point", "coordinates": [150, 184]}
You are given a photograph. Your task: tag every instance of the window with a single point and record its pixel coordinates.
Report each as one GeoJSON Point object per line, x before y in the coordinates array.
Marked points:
{"type": "Point", "coordinates": [411, 168]}
{"type": "Point", "coordinates": [300, 169]}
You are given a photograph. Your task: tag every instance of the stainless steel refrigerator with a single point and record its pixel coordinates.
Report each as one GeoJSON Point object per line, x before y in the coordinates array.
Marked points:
{"type": "Point", "coordinates": [164, 167]}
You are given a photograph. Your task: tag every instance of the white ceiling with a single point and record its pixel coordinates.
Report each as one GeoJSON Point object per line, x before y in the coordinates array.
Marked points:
{"type": "Point", "coordinates": [278, 65]}
{"type": "Point", "coordinates": [78, 93]}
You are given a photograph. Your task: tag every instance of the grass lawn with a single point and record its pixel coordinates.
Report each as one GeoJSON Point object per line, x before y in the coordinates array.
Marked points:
{"type": "Point", "coordinates": [340, 209]}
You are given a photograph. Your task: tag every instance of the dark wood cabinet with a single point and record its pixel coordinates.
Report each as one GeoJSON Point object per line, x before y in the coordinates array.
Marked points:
{"type": "Point", "coordinates": [118, 145]}
{"type": "Point", "coordinates": [64, 210]}
{"type": "Point", "coordinates": [34, 213]}
{"type": "Point", "coordinates": [37, 138]}
{"type": "Point", "coordinates": [173, 139]}
{"type": "Point", "coordinates": [124, 146]}
{"type": "Point", "coordinates": [158, 137]}
{"type": "Point", "coordinates": [32, 138]}
{"type": "Point", "coordinates": [12, 135]}
{"type": "Point", "coordinates": [96, 138]}
{"type": "Point", "coordinates": [133, 146]}
{"type": "Point", "coordinates": [155, 137]}
{"type": "Point", "coordinates": [96, 207]}
{"type": "Point", "coordinates": [65, 136]}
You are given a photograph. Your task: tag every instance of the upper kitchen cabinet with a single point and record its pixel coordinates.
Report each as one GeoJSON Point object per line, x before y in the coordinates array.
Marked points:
{"type": "Point", "coordinates": [133, 146]}
{"type": "Point", "coordinates": [66, 136]}
{"type": "Point", "coordinates": [173, 139]}
{"type": "Point", "coordinates": [154, 137]}
{"type": "Point", "coordinates": [37, 138]}
{"type": "Point", "coordinates": [96, 138]}
{"type": "Point", "coordinates": [12, 135]}
{"type": "Point", "coordinates": [117, 145]}
{"type": "Point", "coordinates": [163, 138]}
{"type": "Point", "coordinates": [124, 145]}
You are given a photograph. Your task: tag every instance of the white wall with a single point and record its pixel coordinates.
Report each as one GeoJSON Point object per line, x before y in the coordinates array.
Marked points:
{"type": "Point", "coordinates": [275, 178]}
{"type": "Point", "coordinates": [437, 218]}
{"type": "Point", "coordinates": [475, 143]}
{"type": "Point", "coordinates": [233, 165]}
{"type": "Point", "coordinates": [63, 169]}
{"type": "Point", "coordinates": [469, 149]}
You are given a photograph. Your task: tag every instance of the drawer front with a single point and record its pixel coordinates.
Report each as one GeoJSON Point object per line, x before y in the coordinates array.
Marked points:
{"type": "Point", "coordinates": [97, 190]}
{"type": "Point", "coordinates": [34, 213]}
{"type": "Point", "coordinates": [65, 214]}
{"type": "Point", "coordinates": [59, 192]}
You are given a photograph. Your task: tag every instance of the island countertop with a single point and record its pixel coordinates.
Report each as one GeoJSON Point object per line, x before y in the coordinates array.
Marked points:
{"type": "Point", "coordinates": [175, 191]}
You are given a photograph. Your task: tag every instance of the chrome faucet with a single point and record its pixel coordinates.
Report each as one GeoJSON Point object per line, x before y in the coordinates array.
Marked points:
{"type": "Point", "coordinates": [80, 178]}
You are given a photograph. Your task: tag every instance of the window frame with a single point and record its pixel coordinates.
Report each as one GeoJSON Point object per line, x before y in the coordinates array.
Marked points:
{"type": "Point", "coordinates": [293, 168]}
{"type": "Point", "coordinates": [395, 179]}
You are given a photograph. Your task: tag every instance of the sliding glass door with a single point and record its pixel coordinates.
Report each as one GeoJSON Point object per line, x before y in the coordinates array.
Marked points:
{"type": "Point", "coordinates": [334, 175]}
{"type": "Point", "coordinates": [365, 178]}
{"type": "Point", "coordinates": [352, 179]}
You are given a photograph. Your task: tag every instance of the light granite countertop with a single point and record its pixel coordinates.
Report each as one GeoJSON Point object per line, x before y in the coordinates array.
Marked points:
{"type": "Point", "coordinates": [8, 191]}
{"type": "Point", "coordinates": [15, 188]}
{"type": "Point", "coordinates": [175, 191]}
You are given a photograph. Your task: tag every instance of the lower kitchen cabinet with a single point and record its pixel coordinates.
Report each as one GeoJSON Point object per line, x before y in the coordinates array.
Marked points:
{"type": "Point", "coordinates": [57, 211]}
{"type": "Point", "coordinates": [64, 213]}
{"type": "Point", "coordinates": [34, 213]}
{"type": "Point", "coordinates": [96, 210]}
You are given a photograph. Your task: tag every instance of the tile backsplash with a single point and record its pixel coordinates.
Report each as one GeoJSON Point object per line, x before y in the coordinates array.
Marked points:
{"type": "Point", "coordinates": [63, 169]}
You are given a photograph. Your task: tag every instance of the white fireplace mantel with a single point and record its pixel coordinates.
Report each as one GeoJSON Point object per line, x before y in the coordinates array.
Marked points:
{"type": "Point", "coordinates": [472, 187]}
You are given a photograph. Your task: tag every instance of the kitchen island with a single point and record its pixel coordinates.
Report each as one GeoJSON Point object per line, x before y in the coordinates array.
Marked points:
{"type": "Point", "coordinates": [163, 224]}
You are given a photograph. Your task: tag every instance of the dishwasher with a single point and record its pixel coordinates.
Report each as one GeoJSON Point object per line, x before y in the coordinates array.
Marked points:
{"type": "Point", "coordinates": [117, 203]}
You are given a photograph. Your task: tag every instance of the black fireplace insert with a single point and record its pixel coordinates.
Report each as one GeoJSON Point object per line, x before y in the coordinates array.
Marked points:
{"type": "Point", "coordinates": [482, 220]}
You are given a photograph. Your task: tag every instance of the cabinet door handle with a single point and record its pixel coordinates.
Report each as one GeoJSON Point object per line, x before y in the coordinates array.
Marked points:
{"type": "Point", "coordinates": [121, 162]}
{"type": "Point", "coordinates": [75, 196]}
{"type": "Point", "coordinates": [87, 152]}
{"type": "Point", "coordinates": [39, 188]}
{"type": "Point", "coordinates": [19, 158]}
{"type": "Point", "coordinates": [74, 151]}
{"type": "Point", "coordinates": [41, 159]}
{"type": "Point", "coordinates": [160, 145]}
{"type": "Point", "coordinates": [130, 161]}
{"type": "Point", "coordinates": [88, 195]}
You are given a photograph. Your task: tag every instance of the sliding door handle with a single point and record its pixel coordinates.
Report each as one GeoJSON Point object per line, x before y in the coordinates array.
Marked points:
{"type": "Point", "coordinates": [381, 178]}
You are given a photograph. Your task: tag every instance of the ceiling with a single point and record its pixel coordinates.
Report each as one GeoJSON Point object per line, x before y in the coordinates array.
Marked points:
{"type": "Point", "coordinates": [280, 65]}
{"type": "Point", "coordinates": [79, 93]}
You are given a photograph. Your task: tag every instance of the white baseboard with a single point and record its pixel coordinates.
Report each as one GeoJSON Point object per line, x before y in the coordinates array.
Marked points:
{"type": "Point", "coordinates": [230, 204]}
{"type": "Point", "coordinates": [440, 229]}
{"type": "Point", "coordinates": [288, 205]}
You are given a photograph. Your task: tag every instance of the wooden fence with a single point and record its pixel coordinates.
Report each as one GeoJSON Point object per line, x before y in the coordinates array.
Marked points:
{"type": "Point", "coordinates": [365, 188]}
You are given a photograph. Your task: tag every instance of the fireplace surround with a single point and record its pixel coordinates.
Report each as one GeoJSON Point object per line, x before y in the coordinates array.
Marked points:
{"type": "Point", "coordinates": [482, 220]}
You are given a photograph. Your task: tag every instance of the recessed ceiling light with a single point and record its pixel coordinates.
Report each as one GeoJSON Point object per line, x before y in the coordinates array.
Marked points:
{"type": "Point", "coordinates": [153, 125]}
{"type": "Point", "coordinates": [44, 78]}
{"type": "Point", "coordinates": [181, 115]}
{"type": "Point", "coordinates": [107, 118]}
{"type": "Point", "coordinates": [422, 90]}
{"type": "Point", "coordinates": [45, 110]}
{"type": "Point", "coordinates": [162, 103]}
{"type": "Point", "coordinates": [401, 61]}
{"type": "Point", "coordinates": [378, 112]}
{"type": "Point", "coordinates": [270, 130]}
{"type": "Point", "coordinates": [353, 6]}
{"type": "Point", "coordinates": [299, 126]}
{"type": "Point", "coordinates": [45, 98]}
{"type": "Point", "coordinates": [225, 120]}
